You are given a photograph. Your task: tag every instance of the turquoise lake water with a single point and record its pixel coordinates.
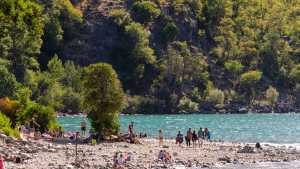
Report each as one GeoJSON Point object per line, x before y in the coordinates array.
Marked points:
{"type": "Point", "coordinates": [250, 128]}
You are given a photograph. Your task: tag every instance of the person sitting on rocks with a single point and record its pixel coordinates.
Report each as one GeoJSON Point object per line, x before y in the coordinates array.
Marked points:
{"type": "Point", "coordinates": [164, 156]}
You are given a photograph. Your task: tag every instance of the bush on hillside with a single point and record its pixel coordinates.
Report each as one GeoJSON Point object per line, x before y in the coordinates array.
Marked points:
{"type": "Point", "coordinates": [216, 96]}
{"type": "Point", "coordinates": [145, 11]}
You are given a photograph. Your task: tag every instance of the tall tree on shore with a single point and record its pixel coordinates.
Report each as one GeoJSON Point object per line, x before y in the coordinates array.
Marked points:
{"type": "Point", "coordinates": [103, 97]}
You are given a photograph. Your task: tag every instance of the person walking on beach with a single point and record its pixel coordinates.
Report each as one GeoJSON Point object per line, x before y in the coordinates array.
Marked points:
{"type": "Point", "coordinates": [188, 137]}
{"type": "Point", "coordinates": [160, 137]}
{"type": "Point", "coordinates": [200, 137]}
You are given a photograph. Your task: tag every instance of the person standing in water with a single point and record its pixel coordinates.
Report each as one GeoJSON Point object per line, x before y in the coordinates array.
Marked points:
{"type": "Point", "coordinates": [83, 128]}
{"type": "Point", "coordinates": [130, 129]}
{"type": "Point", "coordinates": [160, 137]}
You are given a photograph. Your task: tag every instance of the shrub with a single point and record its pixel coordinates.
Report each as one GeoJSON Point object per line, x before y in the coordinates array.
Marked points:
{"type": "Point", "coordinates": [234, 66]}
{"type": "Point", "coordinates": [295, 73]}
{"type": "Point", "coordinates": [38, 116]}
{"type": "Point", "coordinates": [216, 96]}
{"type": "Point", "coordinates": [272, 95]}
{"type": "Point", "coordinates": [145, 11]}
{"type": "Point", "coordinates": [251, 77]}
{"type": "Point", "coordinates": [187, 104]}
{"type": "Point", "coordinates": [169, 32]}
{"type": "Point", "coordinates": [120, 16]}
{"type": "Point", "coordinates": [5, 126]}
{"type": "Point", "coordinates": [8, 83]}
{"type": "Point", "coordinates": [10, 109]}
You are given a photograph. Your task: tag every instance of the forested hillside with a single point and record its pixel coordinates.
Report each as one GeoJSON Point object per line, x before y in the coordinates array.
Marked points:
{"type": "Point", "coordinates": [172, 56]}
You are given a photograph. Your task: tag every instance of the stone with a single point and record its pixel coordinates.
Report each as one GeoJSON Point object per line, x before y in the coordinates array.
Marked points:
{"type": "Point", "coordinates": [225, 158]}
{"type": "Point", "coordinates": [246, 149]}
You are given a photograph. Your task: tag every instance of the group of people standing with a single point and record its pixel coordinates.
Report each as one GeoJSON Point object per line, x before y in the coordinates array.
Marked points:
{"type": "Point", "coordinates": [193, 136]}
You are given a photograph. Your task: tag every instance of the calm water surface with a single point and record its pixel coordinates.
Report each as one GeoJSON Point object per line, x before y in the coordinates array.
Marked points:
{"type": "Point", "coordinates": [271, 128]}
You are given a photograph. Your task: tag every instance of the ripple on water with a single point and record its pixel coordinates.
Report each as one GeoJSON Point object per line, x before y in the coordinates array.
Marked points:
{"type": "Point", "coordinates": [274, 128]}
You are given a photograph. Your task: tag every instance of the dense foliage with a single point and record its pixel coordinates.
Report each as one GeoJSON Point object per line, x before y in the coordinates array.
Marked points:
{"type": "Point", "coordinates": [103, 97]}
{"type": "Point", "coordinates": [171, 55]}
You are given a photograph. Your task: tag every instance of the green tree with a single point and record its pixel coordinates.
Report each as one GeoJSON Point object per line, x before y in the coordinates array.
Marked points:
{"type": "Point", "coordinates": [41, 117]}
{"type": "Point", "coordinates": [145, 11]}
{"type": "Point", "coordinates": [22, 26]}
{"type": "Point", "coordinates": [249, 80]}
{"type": "Point", "coordinates": [8, 83]}
{"type": "Point", "coordinates": [216, 97]}
{"type": "Point", "coordinates": [121, 17]}
{"type": "Point", "coordinates": [62, 23]}
{"type": "Point", "coordinates": [169, 32]}
{"type": "Point", "coordinates": [5, 126]}
{"type": "Point", "coordinates": [103, 97]}
{"type": "Point", "coordinates": [251, 77]}
{"type": "Point", "coordinates": [235, 68]}
{"type": "Point", "coordinates": [272, 95]}
{"type": "Point", "coordinates": [295, 74]}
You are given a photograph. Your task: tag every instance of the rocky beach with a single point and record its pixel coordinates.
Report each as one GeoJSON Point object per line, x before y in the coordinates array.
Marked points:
{"type": "Point", "coordinates": [48, 155]}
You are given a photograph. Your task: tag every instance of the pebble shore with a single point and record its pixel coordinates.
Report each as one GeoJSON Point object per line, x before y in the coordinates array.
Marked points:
{"type": "Point", "coordinates": [47, 155]}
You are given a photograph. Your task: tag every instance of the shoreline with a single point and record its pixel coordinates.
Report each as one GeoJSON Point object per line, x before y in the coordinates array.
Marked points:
{"type": "Point", "coordinates": [195, 113]}
{"type": "Point", "coordinates": [49, 155]}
